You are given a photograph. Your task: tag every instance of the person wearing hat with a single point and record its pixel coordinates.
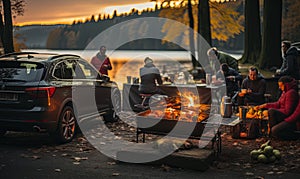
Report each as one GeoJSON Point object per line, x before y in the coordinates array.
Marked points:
{"type": "Point", "coordinates": [150, 76]}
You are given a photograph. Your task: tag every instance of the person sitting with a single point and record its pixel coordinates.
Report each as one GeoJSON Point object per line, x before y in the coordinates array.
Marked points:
{"type": "Point", "coordinates": [232, 77]}
{"type": "Point", "coordinates": [282, 113]}
{"type": "Point", "coordinates": [214, 54]}
{"type": "Point", "coordinates": [150, 76]}
{"type": "Point", "coordinates": [290, 61]}
{"type": "Point", "coordinates": [253, 88]}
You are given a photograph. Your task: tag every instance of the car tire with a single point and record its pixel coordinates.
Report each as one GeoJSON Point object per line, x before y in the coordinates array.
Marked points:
{"type": "Point", "coordinates": [67, 126]}
{"type": "Point", "coordinates": [2, 132]}
{"type": "Point", "coordinates": [113, 113]}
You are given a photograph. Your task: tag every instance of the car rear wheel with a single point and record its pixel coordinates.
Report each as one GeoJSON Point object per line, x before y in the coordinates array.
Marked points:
{"type": "Point", "coordinates": [67, 125]}
{"type": "Point", "coordinates": [113, 114]}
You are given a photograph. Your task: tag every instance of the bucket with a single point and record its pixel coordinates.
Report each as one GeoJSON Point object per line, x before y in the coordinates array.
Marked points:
{"type": "Point", "coordinates": [242, 112]}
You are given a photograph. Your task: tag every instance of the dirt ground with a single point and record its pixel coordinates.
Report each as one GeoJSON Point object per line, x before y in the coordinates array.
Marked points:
{"type": "Point", "coordinates": [235, 155]}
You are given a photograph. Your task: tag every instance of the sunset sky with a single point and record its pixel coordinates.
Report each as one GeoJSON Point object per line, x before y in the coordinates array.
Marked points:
{"type": "Point", "coordinates": [66, 11]}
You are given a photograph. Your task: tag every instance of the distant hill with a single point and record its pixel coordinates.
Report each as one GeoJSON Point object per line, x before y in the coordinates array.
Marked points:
{"type": "Point", "coordinates": [35, 36]}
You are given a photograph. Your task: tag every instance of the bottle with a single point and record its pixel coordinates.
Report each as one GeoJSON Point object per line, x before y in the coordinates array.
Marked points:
{"type": "Point", "coordinates": [226, 107]}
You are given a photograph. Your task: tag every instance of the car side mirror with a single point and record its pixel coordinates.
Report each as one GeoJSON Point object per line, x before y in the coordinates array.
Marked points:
{"type": "Point", "coordinates": [105, 78]}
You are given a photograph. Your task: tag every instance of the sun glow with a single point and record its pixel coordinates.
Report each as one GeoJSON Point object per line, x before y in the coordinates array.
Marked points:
{"type": "Point", "coordinates": [127, 8]}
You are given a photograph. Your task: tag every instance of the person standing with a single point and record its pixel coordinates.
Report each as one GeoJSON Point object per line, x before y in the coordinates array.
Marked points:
{"type": "Point", "coordinates": [214, 54]}
{"type": "Point", "coordinates": [281, 120]}
{"type": "Point", "coordinates": [150, 76]}
{"type": "Point", "coordinates": [101, 62]}
{"type": "Point", "coordinates": [290, 64]}
{"type": "Point", "coordinates": [253, 88]}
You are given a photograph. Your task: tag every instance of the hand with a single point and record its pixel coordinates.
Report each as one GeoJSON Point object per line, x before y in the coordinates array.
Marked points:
{"type": "Point", "coordinates": [241, 94]}
{"type": "Point", "coordinates": [259, 107]}
{"type": "Point", "coordinates": [249, 90]}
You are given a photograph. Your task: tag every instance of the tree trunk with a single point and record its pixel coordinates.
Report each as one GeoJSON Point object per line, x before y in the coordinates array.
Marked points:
{"type": "Point", "coordinates": [204, 20]}
{"type": "Point", "coordinates": [1, 30]}
{"type": "Point", "coordinates": [271, 45]}
{"type": "Point", "coordinates": [8, 28]}
{"type": "Point", "coordinates": [191, 35]}
{"type": "Point", "coordinates": [252, 32]}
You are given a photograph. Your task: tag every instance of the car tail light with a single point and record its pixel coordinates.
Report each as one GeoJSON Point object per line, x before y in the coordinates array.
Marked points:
{"type": "Point", "coordinates": [41, 92]}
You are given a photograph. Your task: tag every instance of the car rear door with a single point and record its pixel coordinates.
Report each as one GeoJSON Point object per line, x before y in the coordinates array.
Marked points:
{"type": "Point", "coordinates": [17, 78]}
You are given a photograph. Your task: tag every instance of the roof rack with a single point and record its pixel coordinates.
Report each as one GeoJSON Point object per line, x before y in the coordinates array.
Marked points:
{"type": "Point", "coordinates": [64, 55]}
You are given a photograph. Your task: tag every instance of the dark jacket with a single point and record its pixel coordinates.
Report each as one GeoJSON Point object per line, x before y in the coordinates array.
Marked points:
{"type": "Point", "coordinates": [231, 85]}
{"type": "Point", "coordinates": [288, 100]}
{"type": "Point", "coordinates": [231, 61]}
{"type": "Point", "coordinates": [150, 75]}
{"type": "Point", "coordinates": [290, 64]}
{"type": "Point", "coordinates": [258, 88]}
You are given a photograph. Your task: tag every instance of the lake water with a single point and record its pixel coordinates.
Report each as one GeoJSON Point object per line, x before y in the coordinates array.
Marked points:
{"type": "Point", "coordinates": [127, 62]}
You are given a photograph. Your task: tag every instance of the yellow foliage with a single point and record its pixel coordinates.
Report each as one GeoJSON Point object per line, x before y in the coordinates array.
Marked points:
{"type": "Point", "coordinates": [225, 21]}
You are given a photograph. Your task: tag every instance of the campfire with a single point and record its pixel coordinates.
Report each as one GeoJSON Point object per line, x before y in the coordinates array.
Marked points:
{"type": "Point", "coordinates": [183, 107]}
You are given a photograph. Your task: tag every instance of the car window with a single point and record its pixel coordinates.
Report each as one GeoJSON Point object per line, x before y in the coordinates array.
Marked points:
{"type": "Point", "coordinates": [67, 70]}
{"type": "Point", "coordinates": [21, 71]}
{"type": "Point", "coordinates": [88, 71]}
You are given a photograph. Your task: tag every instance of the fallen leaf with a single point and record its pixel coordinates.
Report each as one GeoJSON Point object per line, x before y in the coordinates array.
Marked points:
{"type": "Point", "coordinates": [270, 173]}
{"type": "Point", "coordinates": [77, 159]}
{"type": "Point", "coordinates": [115, 174]}
{"type": "Point", "coordinates": [57, 170]}
{"type": "Point", "coordinates": [111, 163]}
{"type": "Point", "coordinates": [36, 157]}
{"type": "Point", "coordinates": [249, 174]}
{"type": "Point", "coordinates": [76, 163]}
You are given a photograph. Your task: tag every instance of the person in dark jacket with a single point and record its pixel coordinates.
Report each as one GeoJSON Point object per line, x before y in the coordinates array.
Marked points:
{"type": "Point", "coordinates": [253, 89]}
{"type": "Point", "coordinates": [213, 53]}
{"type": "Point", "coordinates": [290, 62]}
{"type": "Point", "coordinates": [232, 78]}
{"type": "Point", "coordinates": [150, 76]}
{"type": "Point", "coordinates": [281, 121]}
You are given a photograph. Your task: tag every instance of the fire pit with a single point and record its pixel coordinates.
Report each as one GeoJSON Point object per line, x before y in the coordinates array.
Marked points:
{"type": "Point", "coordinates": [180, 116]}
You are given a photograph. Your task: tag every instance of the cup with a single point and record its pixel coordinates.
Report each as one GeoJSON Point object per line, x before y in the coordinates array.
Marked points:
{"type": "Point", "coordinates": [135, 80]}
{"type": "Point", "coordinates": [208, 79]}
{"type": "Point", "coordinates": [129, 79]}
{"type": "Point", "coordinates": [242, 112]}
{"type": "Point", "coordinates": [214, 78]}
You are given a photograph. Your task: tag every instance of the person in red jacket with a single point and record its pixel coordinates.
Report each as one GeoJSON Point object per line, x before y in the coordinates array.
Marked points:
{"type": "Point", "coordinates": [283, 109]}
{"type": "Point", "coordinates": [101, 62]}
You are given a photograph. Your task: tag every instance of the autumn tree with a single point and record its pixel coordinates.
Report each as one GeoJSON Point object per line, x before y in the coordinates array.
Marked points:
{"type": "Point", "coordinates": [291, 20]}
{"type": "Point", "coordinates": [8, 9]}
{"type": "Point", "coordinates": [224, 20]}
{"type": "Point", "coordinates": [271, 42]}
{"type": "Point", "coordinates": [204, 20]}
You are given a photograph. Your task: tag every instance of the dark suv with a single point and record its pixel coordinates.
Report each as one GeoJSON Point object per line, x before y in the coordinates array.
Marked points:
{"type": "Point", "coordinates": [37, 93]}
